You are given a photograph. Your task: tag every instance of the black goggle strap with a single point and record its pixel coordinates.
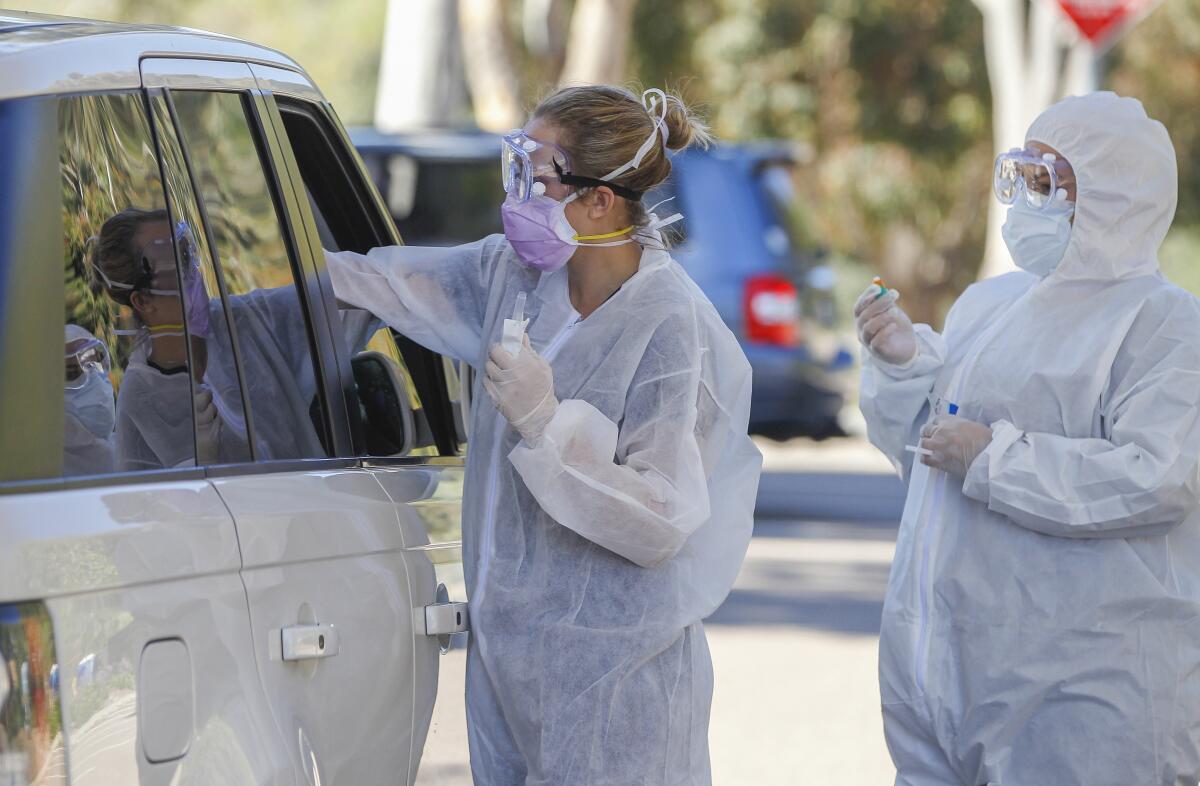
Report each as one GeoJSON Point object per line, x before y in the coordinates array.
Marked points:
{"type": "Point", "coordinates": [581, 181]}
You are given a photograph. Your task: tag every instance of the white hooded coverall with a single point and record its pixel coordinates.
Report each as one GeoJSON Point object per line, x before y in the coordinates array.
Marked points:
{"type": "Point", "coordinates": [592, 556]}
{"type": "Point", "coordinates": [1042, 620]}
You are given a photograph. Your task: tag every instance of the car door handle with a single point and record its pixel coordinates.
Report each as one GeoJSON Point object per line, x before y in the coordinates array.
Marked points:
{"type": "Point", "coordinates": [310, 642]}
{"type": "Point", "coordinates": [445, 619]}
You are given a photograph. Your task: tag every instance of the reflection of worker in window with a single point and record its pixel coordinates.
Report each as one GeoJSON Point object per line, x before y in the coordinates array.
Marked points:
{"type": "Point", "coordinates": [90, 409]}
{"type": "Point", "coordinates": [135, 259]}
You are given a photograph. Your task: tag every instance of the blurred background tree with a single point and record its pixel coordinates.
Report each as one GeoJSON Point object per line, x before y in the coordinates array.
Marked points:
{"type": "Point", "coordinates": [891, 96]}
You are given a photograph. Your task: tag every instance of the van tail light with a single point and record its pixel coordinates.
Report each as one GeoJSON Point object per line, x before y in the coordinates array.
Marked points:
{"type": "Point", "coordinates": [31, 734]}
{"type": "Point", "coordinates": [771, 308]}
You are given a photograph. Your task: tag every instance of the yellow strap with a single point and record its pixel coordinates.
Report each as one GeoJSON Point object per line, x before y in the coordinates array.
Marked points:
{"type": "Point", "coordinates": [153, 328]}
{"type": "Point", "coordinates": [606, 236]}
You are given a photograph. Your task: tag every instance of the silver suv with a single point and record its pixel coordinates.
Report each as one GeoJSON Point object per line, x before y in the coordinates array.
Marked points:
{"type": "Point", "coordinates": [225, 517]}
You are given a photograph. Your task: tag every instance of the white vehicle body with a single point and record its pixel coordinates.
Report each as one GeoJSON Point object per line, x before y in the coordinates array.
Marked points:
{"type": "Point", "coordinates": [259, 621]}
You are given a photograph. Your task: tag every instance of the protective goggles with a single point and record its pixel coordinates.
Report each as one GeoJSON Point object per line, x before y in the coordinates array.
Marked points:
{"type": "Point", "coordinates": [158, 255]}
{"type": "Point", "coordinates": [1029, 174]}
{"type": "Point", "coordinates": [526, 162]}
{"type": "Point", "coordinates": [86, 355]}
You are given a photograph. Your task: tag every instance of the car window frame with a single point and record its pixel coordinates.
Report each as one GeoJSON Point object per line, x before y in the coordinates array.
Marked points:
{"type": "Point", "coordinates": [42, 302]}
{"type": "Point", "coordinates": [187, 74]}
{"type": "Point", "coordinates": [301, 96]}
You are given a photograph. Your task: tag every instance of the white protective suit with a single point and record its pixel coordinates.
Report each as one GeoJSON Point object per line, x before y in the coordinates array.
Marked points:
{"type": "Point", "coordinates": [1042, 621]}
{"type": "Point", "coordinates": [591, 557]}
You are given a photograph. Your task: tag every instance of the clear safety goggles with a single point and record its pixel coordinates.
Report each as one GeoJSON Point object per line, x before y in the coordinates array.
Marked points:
{"type": "Point", "coordinates": [524, 161]}
{"type": "Point", "coordinates": [158, 257]}
{"type": "Point", "coordinates": [1029, 174]}
{"type": "Point", "coordinates": [83, 356]}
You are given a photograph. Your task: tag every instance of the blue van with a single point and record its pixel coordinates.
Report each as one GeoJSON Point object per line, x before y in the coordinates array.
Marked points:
{"type": "Point", "coordinates": [737, 241]}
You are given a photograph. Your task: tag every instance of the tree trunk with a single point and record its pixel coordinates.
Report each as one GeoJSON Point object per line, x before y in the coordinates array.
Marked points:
{"type": "Point", "coordinates": [491, 73]}
{"type": "Point", "coordinates": [421, 82]}
{"type": "Point", "coordinates": [598, 42]}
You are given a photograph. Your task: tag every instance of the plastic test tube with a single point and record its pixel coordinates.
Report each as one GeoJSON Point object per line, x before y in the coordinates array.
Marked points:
{"type": "Point", "coordinates": [514, 329]}
{"type": "Point", "coordinates": [918, 450]}
{"type": "Point", "coordinates": [883, 288]}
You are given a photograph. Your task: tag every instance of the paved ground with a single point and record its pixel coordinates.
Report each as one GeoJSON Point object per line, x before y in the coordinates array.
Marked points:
{"type": "Point", "coordinates": [794, 651]}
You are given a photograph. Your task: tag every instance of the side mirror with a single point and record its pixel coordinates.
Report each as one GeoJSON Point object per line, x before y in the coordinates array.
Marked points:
{"type": "Point", "coordinates": [385, 405]}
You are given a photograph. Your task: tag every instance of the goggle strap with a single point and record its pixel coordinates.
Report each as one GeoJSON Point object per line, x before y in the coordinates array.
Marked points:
{"type": "Point", "coordinates": [595, 182]}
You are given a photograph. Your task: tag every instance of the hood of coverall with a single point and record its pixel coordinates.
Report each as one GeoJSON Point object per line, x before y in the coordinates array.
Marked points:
{"type": "Point", "coordinates": [1127, 184]}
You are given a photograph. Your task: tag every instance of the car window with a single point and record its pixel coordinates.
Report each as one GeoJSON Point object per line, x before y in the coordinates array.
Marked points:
{"type": "Point", "coordinates": [127, 369]}
{"type": "Point", "coordinates": [262, 331]}
{"type": "Point", "coordinates": [345, 219]}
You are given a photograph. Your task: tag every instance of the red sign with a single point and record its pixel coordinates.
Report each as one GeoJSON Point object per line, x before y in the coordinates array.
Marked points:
{"type": "Point", "coordinates": [1100, 20]}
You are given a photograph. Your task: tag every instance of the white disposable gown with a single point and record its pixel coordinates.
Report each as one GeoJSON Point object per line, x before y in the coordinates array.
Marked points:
{"type": "Point", "coordinates": [1042, 621]}
{"type": "Point", "coordinates": [591, 557]}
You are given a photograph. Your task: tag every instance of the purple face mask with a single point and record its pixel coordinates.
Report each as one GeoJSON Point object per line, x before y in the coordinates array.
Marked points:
{"type": "Point", "coordinates": [532, 227]}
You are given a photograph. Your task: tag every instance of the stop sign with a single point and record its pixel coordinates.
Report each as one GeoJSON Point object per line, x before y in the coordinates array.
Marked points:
{"type": "Point", "coordinates": [1100, 20]}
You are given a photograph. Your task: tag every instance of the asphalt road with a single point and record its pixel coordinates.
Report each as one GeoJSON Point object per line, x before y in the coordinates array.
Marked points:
{"type": "Point", "coordinates": [794, 647]}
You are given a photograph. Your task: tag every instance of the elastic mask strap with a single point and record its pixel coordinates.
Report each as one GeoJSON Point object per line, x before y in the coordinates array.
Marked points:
{"type": "Point", "coordinates": [109, 282]}
{"type": "Point", "coordinates": [607, 235]}
{"type": "Point", "coordinates": [653, 99]}
{"type": "Point", "coordinates": [659, 223]}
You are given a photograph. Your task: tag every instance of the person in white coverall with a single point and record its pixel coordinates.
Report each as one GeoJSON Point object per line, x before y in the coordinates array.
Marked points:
{"type": "Point", "coordinates": [1042, 620]}
{"type": "Point", "coordinates": [610, 480]}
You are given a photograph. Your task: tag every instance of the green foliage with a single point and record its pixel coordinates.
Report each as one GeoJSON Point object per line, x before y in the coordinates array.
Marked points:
{"type": "Point", "coordinates": [891, 95]}
{"type": "Point", "coordinates": [337, 43]}
{"type": "Point", "coordinates": [1179, 256]}
{"type": "Point", "coordinates": [1159, 62]}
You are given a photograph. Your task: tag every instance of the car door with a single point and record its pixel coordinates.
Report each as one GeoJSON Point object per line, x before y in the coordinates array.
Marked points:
{"type": "Point", "coordinates": [122, 613]}
{"type": "Point", "coordinates": [342, 211]}
{"type": "Point", "coordinates": [323, 560]}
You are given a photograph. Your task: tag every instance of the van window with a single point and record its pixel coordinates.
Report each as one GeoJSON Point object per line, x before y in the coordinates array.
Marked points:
{"type": "Point", "coordinates": [127, 370]}
{"type": "Point", "coordinates": [270, 334]}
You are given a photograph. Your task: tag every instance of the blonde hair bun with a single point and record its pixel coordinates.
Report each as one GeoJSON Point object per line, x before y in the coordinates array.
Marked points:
{"type": "Point", "coordinates": [684, 127]}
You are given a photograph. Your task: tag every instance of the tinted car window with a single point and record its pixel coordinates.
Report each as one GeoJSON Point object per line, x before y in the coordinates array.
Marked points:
{"type": "Point", "coordinates": [344, 213]}
{"type": "Point", "coordinates": [271, 337]}
{"type": "Point", "coordinates": [127, 381]}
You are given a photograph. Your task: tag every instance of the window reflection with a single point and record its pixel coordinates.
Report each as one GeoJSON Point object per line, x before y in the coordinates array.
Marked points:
{"type": "Point", "coordinates": [120, 282]}
{"type": "Point", "coordinates": [135, 259]}
{"type": "Point", "coordinates": [270, 329]}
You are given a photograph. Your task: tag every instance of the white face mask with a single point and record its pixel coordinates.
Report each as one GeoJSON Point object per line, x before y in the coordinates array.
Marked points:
{"type": "Point", "coordinates": [93, 404]}
{"type": "Point", "coordinates": [1038, 238]}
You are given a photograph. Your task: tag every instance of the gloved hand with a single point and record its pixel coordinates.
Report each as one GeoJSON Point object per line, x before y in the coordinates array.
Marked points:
{"type": "Point", "coordinates": [955, 442]}
{"type": "Point", "coordinates": [523, 389]}
{"type": "Point", "coordinates": [208, 427]}
{"type": "Point", "coordinates": [884, 328]}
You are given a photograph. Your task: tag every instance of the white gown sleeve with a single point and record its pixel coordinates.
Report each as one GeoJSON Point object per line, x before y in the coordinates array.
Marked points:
{"type": "Point", "coordinates": [638, 490]}
{"type": "Point", "coordinates": [895, 399]}
{"type": "Point", "coordinates": [1143, 480]}
{"type": "Point", "coordinates": [435, 296]}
